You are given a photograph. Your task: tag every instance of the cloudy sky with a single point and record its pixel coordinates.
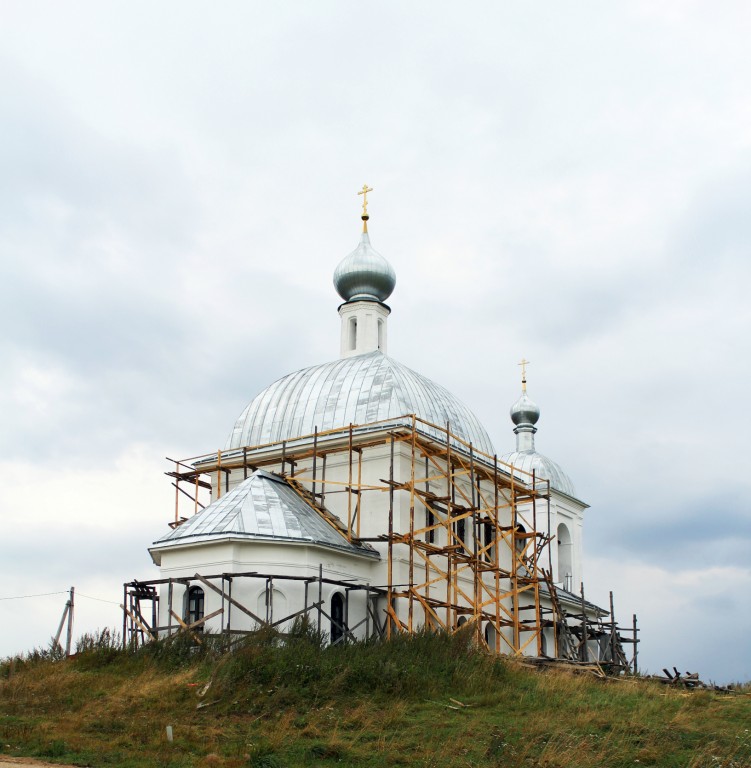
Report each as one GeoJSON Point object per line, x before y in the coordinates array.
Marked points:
{"type": "Point", "coordinates": [568, 182]}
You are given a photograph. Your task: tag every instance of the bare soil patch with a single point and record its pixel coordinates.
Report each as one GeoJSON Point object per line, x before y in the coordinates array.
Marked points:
{"type": "Point", "coordinates": [27, 762]}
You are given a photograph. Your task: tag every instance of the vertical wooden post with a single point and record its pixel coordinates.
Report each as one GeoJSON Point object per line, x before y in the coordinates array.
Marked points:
{"type": "Point", "coordinates": [585, 636]}
{"type": "Point", "coordinates": [177, 492]}
{"type": "Point", "coordinates": [411, 604]}
{"type": "Point", "coordinates": [390, 555]}
{"type": "Point", "coordinates": [636, 645]}
{"type": "Point", "coordinates": [349, 486]}
{"type": "Point", "coordinates": [229, 607]}
{"type": "Point", "coordinates": [315, 460]}
{"type": "Point", "coordinates": [449, 529]}
{"type": "Point", "coordinates": [323, 482]}
{"type": "Point", "coordinates": [474, 497]}
{"type": "Point", "coordinates": [320, 594]}
{"type": "Point", "coordinates": [358, 505]}
{"type": "Point", "coordinates": [346, 616]}
{"type": "Point", "coordinates": [534, 574]}
{"type": "Point", "coordinates": [125, 616]}
{"type": "Point", "coordinates": [516, 563]}
{"type": "Point", "coordinates": [170, 591]}
{"type": "Point", "coordinates": [430, 539]}
{"type": "Point", "coordinates": [367, 611]}
{"type": "Point", "coordinates": [221, 615]}
{"type": "Point", "coordinates": [496, 557]}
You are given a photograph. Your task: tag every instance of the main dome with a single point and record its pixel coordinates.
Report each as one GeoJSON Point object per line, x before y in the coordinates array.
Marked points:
{"type": "Point", "coordinates": [356, 390]}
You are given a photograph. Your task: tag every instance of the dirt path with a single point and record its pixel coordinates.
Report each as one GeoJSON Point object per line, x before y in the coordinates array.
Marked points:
{"type": "Point", "coordinates": [27, 762]}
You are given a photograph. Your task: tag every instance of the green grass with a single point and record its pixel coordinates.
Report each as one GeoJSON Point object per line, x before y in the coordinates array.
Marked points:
{"type": "Point", "coordinates": [296, 703]}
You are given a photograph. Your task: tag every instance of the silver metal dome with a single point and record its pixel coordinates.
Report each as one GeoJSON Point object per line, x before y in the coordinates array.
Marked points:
{"type": "Point", "coordinates": [544, 468]}
{"type": "Point", "coordinates": [355, 390]}
{"type": "Point", "coordinates": [364, 274]}
{"type": "Point", "coordinates": [524, 411]}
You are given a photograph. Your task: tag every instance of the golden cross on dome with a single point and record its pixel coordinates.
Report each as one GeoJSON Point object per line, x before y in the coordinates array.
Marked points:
{"type": "Point", "coordinates": [364, 192]}
{"type": "Point", "coordinates": [524, 363]}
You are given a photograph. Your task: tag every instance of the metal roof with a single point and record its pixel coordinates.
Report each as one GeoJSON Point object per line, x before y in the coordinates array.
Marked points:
{"type": "Point", "coordinates": [263, 507]}
{"type": "Point", "coordinates": [355, 390]}
{"type": "Point", "coordinates": [544, 468]}
{"type": "Point", "coordinates": [364, 274]}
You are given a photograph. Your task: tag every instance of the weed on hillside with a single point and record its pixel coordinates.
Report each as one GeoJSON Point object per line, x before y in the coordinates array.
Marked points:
{"type": "Point", "coordinates": [428, 700]}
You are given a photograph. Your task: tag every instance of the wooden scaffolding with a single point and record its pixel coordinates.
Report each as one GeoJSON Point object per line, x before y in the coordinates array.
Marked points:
{"type": "Point", "coordinates": [459, 532]}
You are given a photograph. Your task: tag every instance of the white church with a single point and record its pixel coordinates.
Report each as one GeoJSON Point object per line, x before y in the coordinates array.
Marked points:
{"type": "Point", "coordinates": [370, 500]}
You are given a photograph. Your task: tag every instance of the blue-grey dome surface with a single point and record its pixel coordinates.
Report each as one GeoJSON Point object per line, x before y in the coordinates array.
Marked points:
{"type": "Point", "coordinates": [525, 411]}
{"type": "Point", "coordinates": [364, 274]}
{"type": "Point", "coordinates": [544, 468]}
{"type": "Point", "coordinates": [356, 390]}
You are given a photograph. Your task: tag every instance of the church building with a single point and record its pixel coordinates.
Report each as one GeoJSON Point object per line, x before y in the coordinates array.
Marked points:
{"type": "Point", "coordinates": [369, 499]}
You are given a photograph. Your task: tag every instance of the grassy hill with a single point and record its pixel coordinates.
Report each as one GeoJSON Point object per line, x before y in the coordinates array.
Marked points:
{"type": "Point", "coordinates": [429, 701]}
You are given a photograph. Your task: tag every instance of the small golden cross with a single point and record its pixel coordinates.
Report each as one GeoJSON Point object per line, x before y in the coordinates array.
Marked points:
{"type": "Point", "coordinates": [364, 192]}
{"type": "Point", "coordinates": [524, 363]}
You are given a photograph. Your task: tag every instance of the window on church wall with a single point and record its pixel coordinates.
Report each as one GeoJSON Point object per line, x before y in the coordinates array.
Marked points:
{"type": "Point", "coordinates": [337, 618]}
{"type": "Point", "coordinates": [521, 546]}
{"type": "Point", "coordinates": [488, 541]}
{"type": "Point", "coordinates": [380, 334]}
{"type": "Point", "coordinates": [194, 609]}
{"type": "Point", "coordinates": [490, 635]}
{"type": "Point", "coordinates": [565, 556]}
{"type": "Point", "coordinates": [460, 528]}
{"type": "Point", "coordinates": [352, 333]}
{"type": "Point", "coordinates": [429, 522]}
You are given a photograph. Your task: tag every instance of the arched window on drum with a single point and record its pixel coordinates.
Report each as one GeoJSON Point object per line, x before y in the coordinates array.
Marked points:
{"type": "Point", "coordinates": [565, 556]}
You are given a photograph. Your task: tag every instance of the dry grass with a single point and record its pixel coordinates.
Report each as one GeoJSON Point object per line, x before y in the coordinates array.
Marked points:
{"type": "Point", "coordinates": [271, 706]}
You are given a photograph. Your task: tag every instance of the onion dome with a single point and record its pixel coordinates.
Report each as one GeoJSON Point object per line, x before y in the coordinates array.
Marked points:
{"type": "Point", "coordinates": [525, 411]}
{"type": "Point", "coordinates": [356, 390]}
{"type": "Point", "coordinates": [364, 275]}
{"type": "Point", "coordinates": [525, 414]}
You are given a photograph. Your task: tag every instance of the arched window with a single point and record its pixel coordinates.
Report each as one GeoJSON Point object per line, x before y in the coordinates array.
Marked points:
{"type": "Point", "coordinates": [565, 556]}
{"type": "Point", "coordinates": [380, 334]}
{"type": "Point", "coordinates": [337, 617]}
{"type": "Point", "coordinates": [490, 636]}
{"type": "Point", "coordinates": [521, 545]}
{"type": "Point", "coordinates": [194, 607]}
{"type": "Point", "coordinates": [353, 333]}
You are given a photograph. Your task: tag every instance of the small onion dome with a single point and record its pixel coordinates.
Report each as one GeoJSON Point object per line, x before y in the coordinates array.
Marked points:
{"type": "Point", "coordinates": [524, 411]}
{"type": "Point", "coordinates": [364, 274]}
